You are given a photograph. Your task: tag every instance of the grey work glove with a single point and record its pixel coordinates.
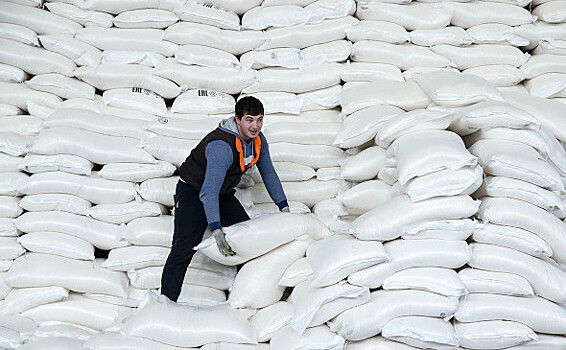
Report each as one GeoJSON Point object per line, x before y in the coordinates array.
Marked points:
{"type": "Point", "coordinates": [285, 210]}
{"type": "Point", "coordinates": [222, 244]}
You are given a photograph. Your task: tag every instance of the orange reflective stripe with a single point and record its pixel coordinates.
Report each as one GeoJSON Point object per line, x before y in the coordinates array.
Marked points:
{"type": "Point", "coordinates": [257, 147]}
{"type": "Point", "coordinates": [240, 150]}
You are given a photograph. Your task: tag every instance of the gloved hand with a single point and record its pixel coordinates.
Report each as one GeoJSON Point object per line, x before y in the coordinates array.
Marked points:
{"type": "Point", "coordinates": [285, 210]}
{"type": "Point", "coordinates": [222, 244]}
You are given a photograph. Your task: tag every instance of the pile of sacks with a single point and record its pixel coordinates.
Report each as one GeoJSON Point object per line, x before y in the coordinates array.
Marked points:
{"type": "Point", "coordinates": [421, 147]}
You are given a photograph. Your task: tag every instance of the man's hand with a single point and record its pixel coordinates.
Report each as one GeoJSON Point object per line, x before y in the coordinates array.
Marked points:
{"type": "Point", "coordinates": [285, 210]}
{"type": "Point", "coordinates": [222, 244]}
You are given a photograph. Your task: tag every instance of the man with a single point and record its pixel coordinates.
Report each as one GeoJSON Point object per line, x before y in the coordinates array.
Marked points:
{"type": "Point", "coordinates": [205, 192]}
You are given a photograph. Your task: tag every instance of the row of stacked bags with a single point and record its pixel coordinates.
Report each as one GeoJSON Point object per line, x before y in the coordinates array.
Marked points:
{"type": "Point", "coordinates": [420, 145]}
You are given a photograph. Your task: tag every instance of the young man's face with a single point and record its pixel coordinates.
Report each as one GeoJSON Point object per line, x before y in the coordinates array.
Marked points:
{"type": "Point", "coordinates": [249, 126]}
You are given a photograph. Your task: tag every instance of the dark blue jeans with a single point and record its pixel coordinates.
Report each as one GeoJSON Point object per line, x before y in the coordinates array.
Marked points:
{"type": "Point", "coordinates": [190, 223]}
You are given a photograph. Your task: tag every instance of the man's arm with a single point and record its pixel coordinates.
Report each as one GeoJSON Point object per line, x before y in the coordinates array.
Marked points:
{"type": "Point", "coordinates": [270, 178]}
{"type": "Point", "coordinates": [218, 159]}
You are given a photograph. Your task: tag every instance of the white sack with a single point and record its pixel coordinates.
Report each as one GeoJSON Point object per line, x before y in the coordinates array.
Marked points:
{"type": "Point", "coordinates": [466, 15]}
{"type": "Point", "coordinates": [160, 190]}
{"type": "Point", "coordinates": [197, 77]}
{"type": "Point", "coordinates": [545, 276]}
{"type": "Point", "coordinates": [432, 279]}
{"type": "Point", "coordinates": [21, 96]}
{"type": "Point", "coordinates": [9, 207]}
{"type": "Point", "coordinates": [58, 244]}
{"type": "Point", "coordinates": [378, 30]}
{"type": "Point", "coordinates": [363, 166]}
{"type": "Point", "coordinates": [34, 60]}
{"type": "Point", "coordinates": [169, 323]}
{"type": "Point", "coordinates": [135, 257]}
{"type": "Point", "coordinates": [201, 296]}
{"type": "Point", "coordinates": [150, 231]}
{"type": "Point", "coordinates": [498, 74]}
{"type": "Point", "coordinates": [449, 36]}
{"type": "Point", "coordinates": [371, 71]}
{"type": "Point", "coordinates": [123, 213]}
{"type": "Point", "coordinates": [302, 133]}
{"type": "Point", "coordinates": [93, 146]}
{"type": "Point", "coordinates": [80, 310]}
{"type": "Point", "coordinates": [19, 33]}
{"type": "Point", "coordinates": [428, 151]}
{"type": "Point", "coordinates": [11, 183]}
{"type": "Point", "coordinates": [113, 76]}
{"type": "Point", "coordinates": [23, 299]}
{"type": "Point", "coordinates": [206, 56]}
{"type": "Point", "coordinates": [10, 249]}
{"type": "Point", "coordinates": [38, 20]}
{"type": "Point", "coordinates": [231, 41]}
{"type": "Point", "coordinates": [8, 228]}
{"type": "Point", "coordinates": [93, 189]}
{"type": "Point", "coordinates": [313, 338]}
{"type": "Point", "coordinates": [61, 85]}
{"type": "Point", "coordinates": [367, 320]}
{"type": "Point", "coordinates": [406, 254]}
{"type": "Point", "coordinates": [270, 319]}
{"type": "Point", "coordinates": [546, 85]}
{"type": "Point", "coordinates": [255, 237]}
{"type": "Point", "coordinates": [136, 99]}
{"type": "Point", "coordinates": [145, 18]}
{"type": "Point", "coordinates": [168, 149]}
{"type": "Point", "coordinates": [411, 16]}
{"type": "Point", "coordinates": [100, 234]}
{"type": "Point", "coordinates": [456, 89]}
{"type": "Point", "coordinates": [485, 281]}
{"type": "Point", "coordinates": [492, 114]}
{"type": "Point", "coordinates": [455, 230]}
{"type": "Point", "coordinates": [512, 237]}
{"type": "Point", "coordinates": [314, 306]}
{"type": "Point", "coordinates": [203, 101]}
{"type": "Point", "coordinates": [136, 172]}
{"type": "Point", "coordinates": [415, 120]}
{"type": "Point", "coordinates": [314, 156]}
{"type": "Point", "coordinates": [483, 54]}
{"type": "Point", "coordinates": [301, 36]}
{"type": "Point", "coordinates": [421, 332]}
{"type": "Point", "coordinates": [178, 126]}
{"type": "Point", "coordinates": [483, 307]}
{"type": "Point", "coordinates": [129, 39]}
{"type": "Point", "coordinates": [548, 112]}
{"type": "Point", "coordinates": [362, 125]}
{"type": "Point", "coordinates": [84, 17]}
{"type": "Point", "coordinates": [15, 144]}
{"type": "Point", "coordinates": [118, 341]}
{"type": "Point", "coordinates": [496, 333]}
{"type": "Point", "coordinates": [308, 192]}
{"type": "Point", "coordinates": [445, 182]}
{"type": "Point", "coordinates": [297, 272]}
{"type": "Point", "coordinates": [496, 33]}
{"type": "Point", "coordinates": [551, 12]}
{"type": "Point", "coordinates": [146, 58]}
{"type": "Point", "coordinates": [349, 255]}
{"type": "Point", "coordinates": [304, 79]}
{"type": "Point", "coordinates": [496, 156]}
{"type": "Point", "coordinates": [80, 52]}
{"type": "Point", "coordinates": [403, 56]}
{"type": "Point", "coordinates": [255, 285]}
{"type": "Point", "coordinates": [499, 186]}
{"type": "Point", "coordinates": [365, 196]}
{"type": "Point", "coordinates": [44, 270]}
{"type": "Point", "coordinates": [20, 124]}
{"type": "Point", "coordinates": [407, 96]}
{"type": "Point", "coordinates": [208, 14]}
{"type": "Point", "coordinates": [55, 202]}
{"type": "Point", "coordinates": [384, 223]}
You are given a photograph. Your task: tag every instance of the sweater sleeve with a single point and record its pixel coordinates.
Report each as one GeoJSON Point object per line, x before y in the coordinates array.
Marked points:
{"type": "Point", "coordinates": [218, 159]}
{"type": "Point", "coordinates": [269, 176]}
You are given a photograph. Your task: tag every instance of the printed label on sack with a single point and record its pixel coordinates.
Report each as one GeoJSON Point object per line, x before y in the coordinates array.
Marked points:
{"type": "Point", "coordinates": [147, 92]}
{"type": "Point", "coordinates": [211, 93]}
{"type": "Point", "coordinates": [163, 120]}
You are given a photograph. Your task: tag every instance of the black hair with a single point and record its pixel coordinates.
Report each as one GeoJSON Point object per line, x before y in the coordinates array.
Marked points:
{"type": "Point", "coordinates": [248, 105]}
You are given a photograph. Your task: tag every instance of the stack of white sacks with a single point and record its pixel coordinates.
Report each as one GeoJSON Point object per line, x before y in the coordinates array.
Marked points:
{"type": "Point", "coordinates": [436, 195]}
